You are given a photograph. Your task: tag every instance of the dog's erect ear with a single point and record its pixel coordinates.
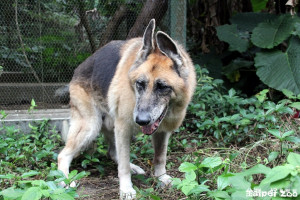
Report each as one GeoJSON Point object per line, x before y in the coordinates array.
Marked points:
{"type": "Point", "coordinates": [148, 43]}
{"type": "Point", "coordinates": [168, 47]}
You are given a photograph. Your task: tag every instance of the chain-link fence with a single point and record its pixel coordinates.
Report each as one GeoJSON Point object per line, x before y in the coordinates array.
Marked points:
{"type": "Point", "coordinates": [42, 42]}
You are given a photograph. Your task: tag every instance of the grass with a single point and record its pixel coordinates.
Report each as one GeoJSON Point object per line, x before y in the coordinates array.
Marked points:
{"type": "Point", "coordinates": [102, 183]}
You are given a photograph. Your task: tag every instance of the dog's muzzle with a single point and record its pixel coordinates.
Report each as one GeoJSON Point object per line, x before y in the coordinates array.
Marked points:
{"type": "Point", "coordinates": [144, 118]}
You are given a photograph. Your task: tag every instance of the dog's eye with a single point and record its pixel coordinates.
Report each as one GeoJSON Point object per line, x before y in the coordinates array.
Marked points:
{"type": "Point", "coordinates": [162, 86]}
{"type": "Point", "coordinates": [140, 85]}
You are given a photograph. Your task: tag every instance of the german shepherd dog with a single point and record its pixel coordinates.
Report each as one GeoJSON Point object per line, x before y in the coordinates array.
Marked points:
{"type": "Point", "coordinates": [143, 84]}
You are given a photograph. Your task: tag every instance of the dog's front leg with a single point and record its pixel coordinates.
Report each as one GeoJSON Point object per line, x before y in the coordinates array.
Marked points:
{"type": "Point", "coordinates": [160, 144]}
{"type": "Point", "coordinates": [123, 138]}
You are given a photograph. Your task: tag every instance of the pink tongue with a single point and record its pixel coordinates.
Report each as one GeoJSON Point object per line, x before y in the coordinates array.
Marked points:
{"type": "Point", "coordinates": [149, 129]}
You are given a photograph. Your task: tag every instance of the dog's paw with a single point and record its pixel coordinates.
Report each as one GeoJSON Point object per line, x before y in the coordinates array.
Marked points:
{"type": "Point", "coordinates": [166, 180]}
{"type": "Point", "coordinates": [64, 185]}
{"type": "Point", "coordinates": [136, 169]}
{"type": "Point", "coordinates": [127, 193]}
{"type": "Point", "coordinates": [73, 184]}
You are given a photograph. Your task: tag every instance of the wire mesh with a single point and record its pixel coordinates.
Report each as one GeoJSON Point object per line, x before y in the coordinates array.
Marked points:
{"type": "Point", "coordinates": [42, 42]}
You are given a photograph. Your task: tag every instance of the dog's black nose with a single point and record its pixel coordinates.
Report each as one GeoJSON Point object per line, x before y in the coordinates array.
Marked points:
{"type": "Point", "coordinates": [143, 119]}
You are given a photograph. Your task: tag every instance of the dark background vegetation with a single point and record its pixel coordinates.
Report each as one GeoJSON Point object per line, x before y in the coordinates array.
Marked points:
{"type": "Point", "coordinates": [241, 130]}
{"type": "Point", "coordinates": [43, 41]}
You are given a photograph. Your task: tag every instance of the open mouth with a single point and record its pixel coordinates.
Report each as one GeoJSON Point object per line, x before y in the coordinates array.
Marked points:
{"type": "Point", "coordinates": [151, 128]}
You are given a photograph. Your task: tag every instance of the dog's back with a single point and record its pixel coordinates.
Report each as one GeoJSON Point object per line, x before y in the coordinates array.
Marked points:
{"type": "Point", "coordinates": [97, 71]}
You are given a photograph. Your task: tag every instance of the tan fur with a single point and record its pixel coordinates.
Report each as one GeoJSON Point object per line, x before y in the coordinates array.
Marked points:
{"type": "Point", "coordinates": [121, 80]}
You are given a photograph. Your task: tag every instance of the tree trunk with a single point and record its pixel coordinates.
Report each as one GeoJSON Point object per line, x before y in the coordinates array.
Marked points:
{"type": "Point", "coordinates": [152, 9]}
{"type": "Point", "coordinates": [113, 25]}
{"type": "Point", "coordinates": [86, 25]}
{"type": "Point", "coordinates": [280, 6]}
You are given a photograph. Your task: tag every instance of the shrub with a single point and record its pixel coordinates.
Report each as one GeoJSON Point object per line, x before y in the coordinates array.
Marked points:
{"type": "Point", "coordinates": [228, 116]}
{"type": "Point", "coordinates": [278, 182]}
{"type": "Point", "coordinates": [270, 41]}
{"type": "Point", "coordinates": [27, 159]}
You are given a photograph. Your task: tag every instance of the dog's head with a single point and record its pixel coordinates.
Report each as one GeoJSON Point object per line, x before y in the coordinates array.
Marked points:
{"type": "Point", "coordinates": [158, 79]}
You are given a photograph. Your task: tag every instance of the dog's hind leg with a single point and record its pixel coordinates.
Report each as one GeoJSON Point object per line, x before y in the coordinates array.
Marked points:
{"type": "Point", "coordinates": [160, 144]}
{"type": "Point", "coordinates": [108, 131]}
{"type": "Point", "coordinates": [85, 124]}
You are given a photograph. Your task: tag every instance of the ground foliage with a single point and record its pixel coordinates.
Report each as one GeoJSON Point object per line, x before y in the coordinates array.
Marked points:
{"type": "Point", "coordinates": [226, 139]}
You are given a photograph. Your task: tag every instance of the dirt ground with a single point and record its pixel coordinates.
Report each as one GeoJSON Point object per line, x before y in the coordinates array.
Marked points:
{"type": "Point", "coordinates": [96, 187]}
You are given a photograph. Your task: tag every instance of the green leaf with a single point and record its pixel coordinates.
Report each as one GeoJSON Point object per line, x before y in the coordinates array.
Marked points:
{"type": "Point", "coordinates": [276, 133]}
{"type": "Point", "coordinates": [289, 94]}
{"type": "Point", "coordinates": [271, 33]}
{"type": "Point", "coordinates": [33, 193]}
{"type": "Point", "coordinates": [296, 184]}
{"type": "Point", "coordinates": [297, 28]}
{"type": "Point", "coordinates": [190, 176]}
{"type": "Point", "coordinates": [187, 188]}
{"type": "Point", "coordinates": [248, 21]}
{"type": "Point", "coordinates": [230, 34]}
{"type": "Point", "coordinates": [211, 162]}
{"type": "Point", "coordinates": [273, 155]}
{"type": "Point", "coordinates": [12, 193]}
{"type": "Point", "coordinates": [295, 105]}
{"type": "Point", "coordinates": [45, 193]}
{"type": "Point", "coordinates": [85, 162]}
{"type": "Point", "coordinates": [277, 173]}
{"type": "Point", "coordinates": [219, 194]}
{"type": "Point", "coordinates": [240, 195]}
{"type": "Point", "coordinates": [223, 181]}
{"type": "Point", "coordinates": [95, 160]}
{"type": "Point", "coordinates": [232, 156]}
{"type": "Point", "coordinates": [7, 176]}
{"type": "Point", "coordinates": [258, 5]}
{"type": "Point", "coordinates": [231, 92]}
{"type": "Point", "coordinates": [294, 159]}
{"type": "Point", "coordinates": [57, 174]}
{"type": "Point", "coordinates": [288, 133]}
{"type": "Point", "coordinates": [238, 182]}
{"type": "Point", "coordinates": [29, 174]}
{"type": "Point", "coordinates": [283, 183]}
{"type": "Point", "coordinates": [51, 185]}
{"type": "Point", "coordinates": [199, 188]}
{"type": "Point", "coordinates": [39, 183]}
{"type": "Point", "coordinates": [80, 175]}
{"type": "Point", "coordinates": [32, 103]}
{"type": "Point", "coordinates": [262, 95]}
{"type": "Point", "coordinates": [154, 197]}
{"type": "Point", "coordinates": [62, 196]}
{"type": "Point", "coordinates": [187, 167]}
{"type": "Point", "coordinates": [72, 174]}
{"type": "Point", "coordinates": [278, 69]}
{"type": "Point", "coordinates": [257, 169]}
{"type": "Point", "coordinates": [293, 139]}
{"type": "Point", "coordinates": [176, 181]}
{"type": "Point", "coordinates": [59, 191]}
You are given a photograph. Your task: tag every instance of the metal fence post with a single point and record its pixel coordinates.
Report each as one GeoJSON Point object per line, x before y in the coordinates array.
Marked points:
{"type": "Point", "coordinates": [178, 20]}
